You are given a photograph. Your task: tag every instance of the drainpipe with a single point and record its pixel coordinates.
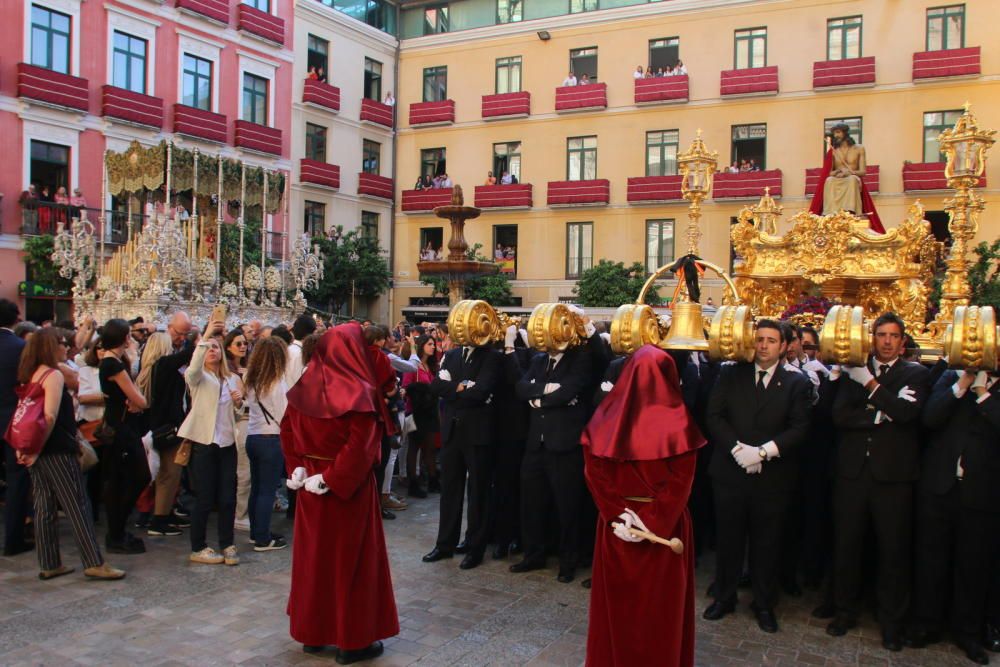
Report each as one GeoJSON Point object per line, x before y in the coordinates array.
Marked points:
{"type": "Point", "coordinates": [392, 209]}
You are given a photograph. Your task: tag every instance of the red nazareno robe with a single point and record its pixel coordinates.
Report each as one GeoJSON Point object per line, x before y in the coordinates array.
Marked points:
{"type": "Point", "coordinates": [341, 585]}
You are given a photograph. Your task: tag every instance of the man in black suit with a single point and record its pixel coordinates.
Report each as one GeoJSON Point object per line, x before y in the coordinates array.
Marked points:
{"type": "Point", "coordinates": [18, 495]}
{"type": "Point", "coordinates": [466, 383]}
{"type": "Point", "coordinates": [877, 410]}
{"type": "Point", "coordinates": [758, 416]}
{"type": "Point", "coordinates": [958, 500]}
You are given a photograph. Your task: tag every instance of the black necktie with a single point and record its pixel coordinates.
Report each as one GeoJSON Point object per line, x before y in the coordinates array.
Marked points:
{"type": "Point", "coordinates": [883, 369]}
{"type": "Point", "coordinates": [552, 364]}
{"type": "Point", "coordinates": [760, 380]}
{"type": "Point", "coordinates": [468, 354]}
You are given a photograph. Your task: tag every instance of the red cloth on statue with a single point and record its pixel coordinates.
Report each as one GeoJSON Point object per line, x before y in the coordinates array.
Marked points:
{"type": "Point", "coordinates": [642, 596]}
{"type": "Point", "coordinates": [816, 206]}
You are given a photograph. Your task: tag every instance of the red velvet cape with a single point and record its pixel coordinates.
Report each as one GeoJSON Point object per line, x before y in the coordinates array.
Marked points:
{"type": "Point", "coordinates": [816, 206]}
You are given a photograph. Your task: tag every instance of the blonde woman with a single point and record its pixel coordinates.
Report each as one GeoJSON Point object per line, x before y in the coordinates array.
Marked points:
{"type": "Point", "coordinates": [216, 396]}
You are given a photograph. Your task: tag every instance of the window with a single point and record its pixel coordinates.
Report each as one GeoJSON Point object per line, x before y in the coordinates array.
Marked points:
{"type": "Point", "coordinates": [369, 225]}
{"type": "Point", "coordinates": [315, 142]}
{"type": "Point", "coordinates": [659, 244]}
{"type": "Point", "coordinates": [853, 125]}
{"type": "Point", "coordinates": [314, 223]}
{"type": "Point", "coordinates": [371, 156]}
{"type": "Point", "coordinates": [50, 39]}
{"type": "Point", "coordinates": [435, 19]}
{"type": "Point", "coordinates": [262, 5]}
{"type": "Point", "coordinates": [507, 158]}
{"type": "Point", "coordinates": [946, 28]}
{"type": "Point", "coordinates": [509, 11]}
{"type": "Point", "coordinates": [579, 248]}
{"type": "Point", "coordinates": [751, 48]}
{"type": "Point", "coordinates": [49, 164]}
{"type": "Point", "coordinates": [373, 79]}
{"type": "Point", "coordinates": [129, 69]}
{"type": "Point", "coordinates": [435, 84]}
{"type": "Point", "coordinates": [317, 56]}
{"type": "Point", "coordinates": [750, 145]}
{"type": "Point", "coordinates": [197, 82]}
{"type": "Point", "coordinates": [505, 249]}
{"type": "Point", "coordinates": [508, 75]}
{"type": "Point", "coordinates": [254, 98]}
{"type": "Point", "coordinates": [432, 162]}
{"type": "Point", "coordinates": [431, 242]}
{"type": "Point", "coordinates": [843, 38]}
{"type": "Point", "coordinates": [577, 6]}
{"type": "Point", "coordinates": [936, 122]}
{"type": "Point", "coordinates": [661, 153]}
{"type": "Point", "coordinates": [664, 53]}
{"type": "Point", "coordinates": [584, 61]}
{"type": "Point", "coordinates": [581, 158]}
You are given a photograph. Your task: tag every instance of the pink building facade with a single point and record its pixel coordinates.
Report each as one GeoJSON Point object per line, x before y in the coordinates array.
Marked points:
{"type": "Point", "coordinates": [78, 78]}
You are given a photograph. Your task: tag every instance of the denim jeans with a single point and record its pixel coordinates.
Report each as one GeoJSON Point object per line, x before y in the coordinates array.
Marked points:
{"type": "Point", "coordinates": [266, 468]}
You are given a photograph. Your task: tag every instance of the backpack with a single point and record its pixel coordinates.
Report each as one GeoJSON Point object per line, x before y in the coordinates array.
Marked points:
{"type": "Point", "coordinates": [26, 432]}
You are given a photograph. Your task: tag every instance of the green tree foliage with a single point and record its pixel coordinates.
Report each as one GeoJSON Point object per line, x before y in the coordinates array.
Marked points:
{"type": "Point", "coordinates": [610, 284]}
{"type": "Point", "coordinates": [38, 259]}
{"type": "Point", "coordinates": [230, 262]}
{"type": "Point", "coordinates": [352, 263]}
{"type": "Point", "coordinates": [494, 288]}
{"type": "Point", "coordinates": [983, 276]}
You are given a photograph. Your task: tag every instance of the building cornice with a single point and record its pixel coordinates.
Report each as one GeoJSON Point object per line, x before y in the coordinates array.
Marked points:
{"type": "Point", "coordinates": [312, 11]}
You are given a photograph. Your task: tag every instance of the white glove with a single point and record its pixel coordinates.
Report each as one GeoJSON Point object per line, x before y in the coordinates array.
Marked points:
{"type": "Point", "coordinates": [510, 336]}
{"type": "Point", "coordinates": [315, 484]}
{"type": "Point", "coordinates": [443, 374]}
{"type": "Point", "coordinates": [622, 529]}
{"type": "Point", "coordinates": [755, 468]}
{"type": "Point", "coordinates": [816, 366]}
{"type": "Point", "coordinates": [636, 521]}
{"type": "Point", "coordinates": [907, 394]}
{"type": "Point", "coordinates": [882, 417]}
{"type": "Point", "coordinates": [573, 308]}
{"type": "Point", "coordinates": [551, 387]}
{"type": "Point", "coordinates": [982, 377]}
{"type": "Point", "coordinates": [607, 386]}
{"type": "Point", "coordinates": [535, 402]}
{"type": "Point", "coordinates": [835, 372]}
{"type": "Point", "coordinates": [297, 479]}
{"type": "Point", "coordinates": [860, 374]}
{"type": "Point", "coordinates": [469, 384]}
{"type": "Point", "coordinates": [746, 456]}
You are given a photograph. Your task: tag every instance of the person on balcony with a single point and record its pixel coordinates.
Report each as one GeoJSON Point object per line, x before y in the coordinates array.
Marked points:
{"type": "Point", "coordinates": [637, 74]}
{"type": "Point", "coordinates": [312, 75]}
{"type": "Point", "coordinates": [680, 69]}
{"type": "Point", "coordinates": [585, 80]}
{"type": "Point", "coordinates": [649, 73]}
{"type": "Point", "coordinates": [660, 73]}
{"type": "Point", "coordinates": [389, 101]}
{"type": "Point", "coordinates": [570, 80]}
{"type": "Point", "coordinates": [490, 178]}
{"type": "Point", "coordinates": [77, 204]}
{"type": "Point", "coordinates": [506, 179]}
{"type": "Point", "coordinates": [45, 211]}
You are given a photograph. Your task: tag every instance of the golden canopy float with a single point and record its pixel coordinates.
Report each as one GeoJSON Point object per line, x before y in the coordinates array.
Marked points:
{"type": "Point", "coordinates": [158, 258]}
{"type": "Point", "coordinates": [475, 323]}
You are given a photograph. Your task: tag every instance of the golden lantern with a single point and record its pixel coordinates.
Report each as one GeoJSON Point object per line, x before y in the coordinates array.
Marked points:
{"type": "Point", "coordinates": [965, 147]}
{"type": "Point", "coordinates": [697, 167]}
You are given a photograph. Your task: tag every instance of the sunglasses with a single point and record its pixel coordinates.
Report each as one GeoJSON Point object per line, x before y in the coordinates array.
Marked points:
{"type": "Point", "coordinates": [240, 344]}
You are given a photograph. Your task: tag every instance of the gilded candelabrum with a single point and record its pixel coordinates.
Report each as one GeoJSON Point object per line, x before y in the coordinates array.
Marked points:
{"type": "Point", "coordinates": [75, 253]}
{"type": "Point", "coordinates": [307, 267]}
{"type": "Point", "coordinates": [697, 166]}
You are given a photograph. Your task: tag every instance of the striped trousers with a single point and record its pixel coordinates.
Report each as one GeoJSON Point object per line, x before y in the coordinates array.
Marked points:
{"type": "Point", "coordinates": [56, 483]}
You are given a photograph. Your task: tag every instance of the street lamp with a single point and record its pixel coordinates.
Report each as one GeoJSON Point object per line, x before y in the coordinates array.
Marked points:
{"type": "Point", "coordinates": [697, 166]}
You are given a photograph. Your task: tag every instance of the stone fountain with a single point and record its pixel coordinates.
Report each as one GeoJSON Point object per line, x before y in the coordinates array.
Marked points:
{"type": "Point", "coordinates": [457, 268]}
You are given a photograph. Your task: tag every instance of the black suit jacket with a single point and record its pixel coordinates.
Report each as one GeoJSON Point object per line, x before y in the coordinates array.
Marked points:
{"type": "Point", "coordinates": [737, 411]}
{"type": "Point", "coordinates": [10, 357]}
{"type": "Point", "coordinates": [467, 415]}
{"type": "Point", "coordinates": [966, 428]}
{"type": "Point", "coordinates": [167, 406]}
{"type": "Point", "coordinates": [891, 448]}
{"type": "Point", "coordinates": [558, 423]}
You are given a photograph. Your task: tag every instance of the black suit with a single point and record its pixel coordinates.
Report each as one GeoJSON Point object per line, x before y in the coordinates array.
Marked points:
{"type": "Point", "coordinates": [754, 505]}
{"type": "Point", "coordinates": [876, 466]}
{"type": "Point", "coordinates": [467, 434]}
{"type": "Point", "coordinates": [552, 469]}
{"type": "Point", "coordinates": [957, 518]}
{"type": "Point", "coordinates": [18, 496]}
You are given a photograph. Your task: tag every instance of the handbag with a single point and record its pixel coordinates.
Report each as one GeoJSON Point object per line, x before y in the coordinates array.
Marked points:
{"type": "Point", "coordinates": [88, 456]}
{"type": "Point", "coordinates": [87, 429]}
{"type": "Point", "coordinates": [183, 455]}
{"type": "Point", "coordinates": [409, 424]}
{"type": "Point", "coordinates": [26, 431]}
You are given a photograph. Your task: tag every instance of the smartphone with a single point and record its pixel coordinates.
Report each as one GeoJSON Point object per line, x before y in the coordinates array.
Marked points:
{"type": "Point", "coordinates": [218, 313]}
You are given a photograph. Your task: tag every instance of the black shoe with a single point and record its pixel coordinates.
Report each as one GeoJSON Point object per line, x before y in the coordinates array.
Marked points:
{"type": "Point", "coordinates": [415, 490]}
{"type": "Point", "coordinates": [825, 610]}
{"type": "Point", "coordinates": [471, 561]}
{"type": "Point", "coordinates": [919, 637]}
{"type": "Point", "coordinates": [179, 521]}
{"type": "Point", "coordinates": [891, 641]}
{"type": "Point", "coordinates": [839, 626]}
{"type": "Point", "coordinates": [792, 589]}
{"type": "Point", "coordinates": [462, 548]}
{"type": "Point", "coordinates": [161, 530]}
{"type": "Point", "coordinates": [387, 515]}
{"type": "Point", "coordinates": [992, 638]}
{"type": "Point", "coordinates": [526, 566]}
{"type": "Point", "coordinates": [349, 657]}
{"type": "Point", "coordinates": [765, 618]}
{"type": "Point", "coordinates": [717, 610]}
{"type": "Point", "coordinates": [306, 648]}
{"type": "Point", "coordinates": [586, 583]}
{"type": "Point", "coordinates": [127, 545]}
{"type": "Point", "coordinates": [16, 549]}
{"type": "Point", "coordinates": [436, 555]}
{"type": "Point", "coordinates": [973, 650]}
{"type": "Point", "coordinates": [566, 575]}
{"type": "Point", "coordinates": [500, 551]}
{"type": "Point", "coordinates": [274, 544]}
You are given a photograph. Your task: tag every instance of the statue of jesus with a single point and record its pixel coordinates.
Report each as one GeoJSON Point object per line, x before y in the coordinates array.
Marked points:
{"type": "Point", "coordinates": [842, 189]}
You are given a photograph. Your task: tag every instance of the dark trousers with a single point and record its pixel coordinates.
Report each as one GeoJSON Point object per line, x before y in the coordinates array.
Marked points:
{"type": "Point", "coordinates": [552, 480]}
{"type": "Point", "coordinates": [817, 524]}
{"type": "Point", "coordinates": [505, 495]}
{"type": "Point", "coordinates": [387, 442]}
{"type": "Point", "coordinates": [58, 484]}
{"type": "Point", "coordinates": [753, 510]}
{"type": "Point", "coordinates": [18, 499]}
{"type": "Point", "coordinates": [956, 546]}
{"type": "Point", "coordinates": [267, 465]}
{"type": "Point", "coordinates": [889, 505]}
{"type": "Point", "coordinates": [458, 460]}
{"type": "Point", "coordinates": [124, 475]}
{"type": "Point", "coordinates": [213, 475]}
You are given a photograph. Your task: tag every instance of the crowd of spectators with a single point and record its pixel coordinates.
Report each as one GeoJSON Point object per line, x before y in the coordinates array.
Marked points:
{"type": "Point", "coordinates": [677, 70]}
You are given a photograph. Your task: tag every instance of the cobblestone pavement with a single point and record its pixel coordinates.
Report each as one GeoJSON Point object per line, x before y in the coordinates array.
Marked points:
{"type": "Point", "coordinates": [170, 612]}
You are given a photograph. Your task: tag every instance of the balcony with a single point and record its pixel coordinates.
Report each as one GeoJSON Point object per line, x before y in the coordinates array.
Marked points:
{"type": "Point", "coordinates": [921, 176]}
{"type": "Point", "coordinates": [432, 113]}
{"type": "Point", "coordinates": [651, 189]}
{"type": "Point", "coordinates": [373, 185]}
{"type": "Point", "coordinates": [582, 98]}
{"type": "Point", "coordinates": [200, 124]}
{"type": "Point", "coordinates": [132, 107]}
{"type": "Point", "coordinates": [953, 62]}
{"type": "Point", "coordinates": [871, 179]}
{"type": "Point", "coordinates": [260, 24]}
{"type": "Point", "coordinates": [503, 196]}
{"type": "Point", "coordinates": [213, 10]}
{"type": "Point", "coordinates": [321, 95]}
{"type": "Point", "coordinates": [752, 81]}
{"type": "Point", "coordinates": [663, 89]}
{"type": "Point", "coordinates": [315, 172]}
{"type": "Point", "coordinates": [747, 184]}
{"type": "Point", "coordinates": [849, 72]}
{"type": "Point", "coordinates": [425, 201]}
{"type": "Point", "coordinates": [257, 138]}
{"type": "Point", "coordinates": [596, 192]}
{"type": "Point", "coordinates": [52, 88]}
{"type": "Point", "coordinates": [373, 111]}
{"type": "Point", "coordinates": [507, 105]}
{"type": "Point", "coordinates": [39, 217]}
